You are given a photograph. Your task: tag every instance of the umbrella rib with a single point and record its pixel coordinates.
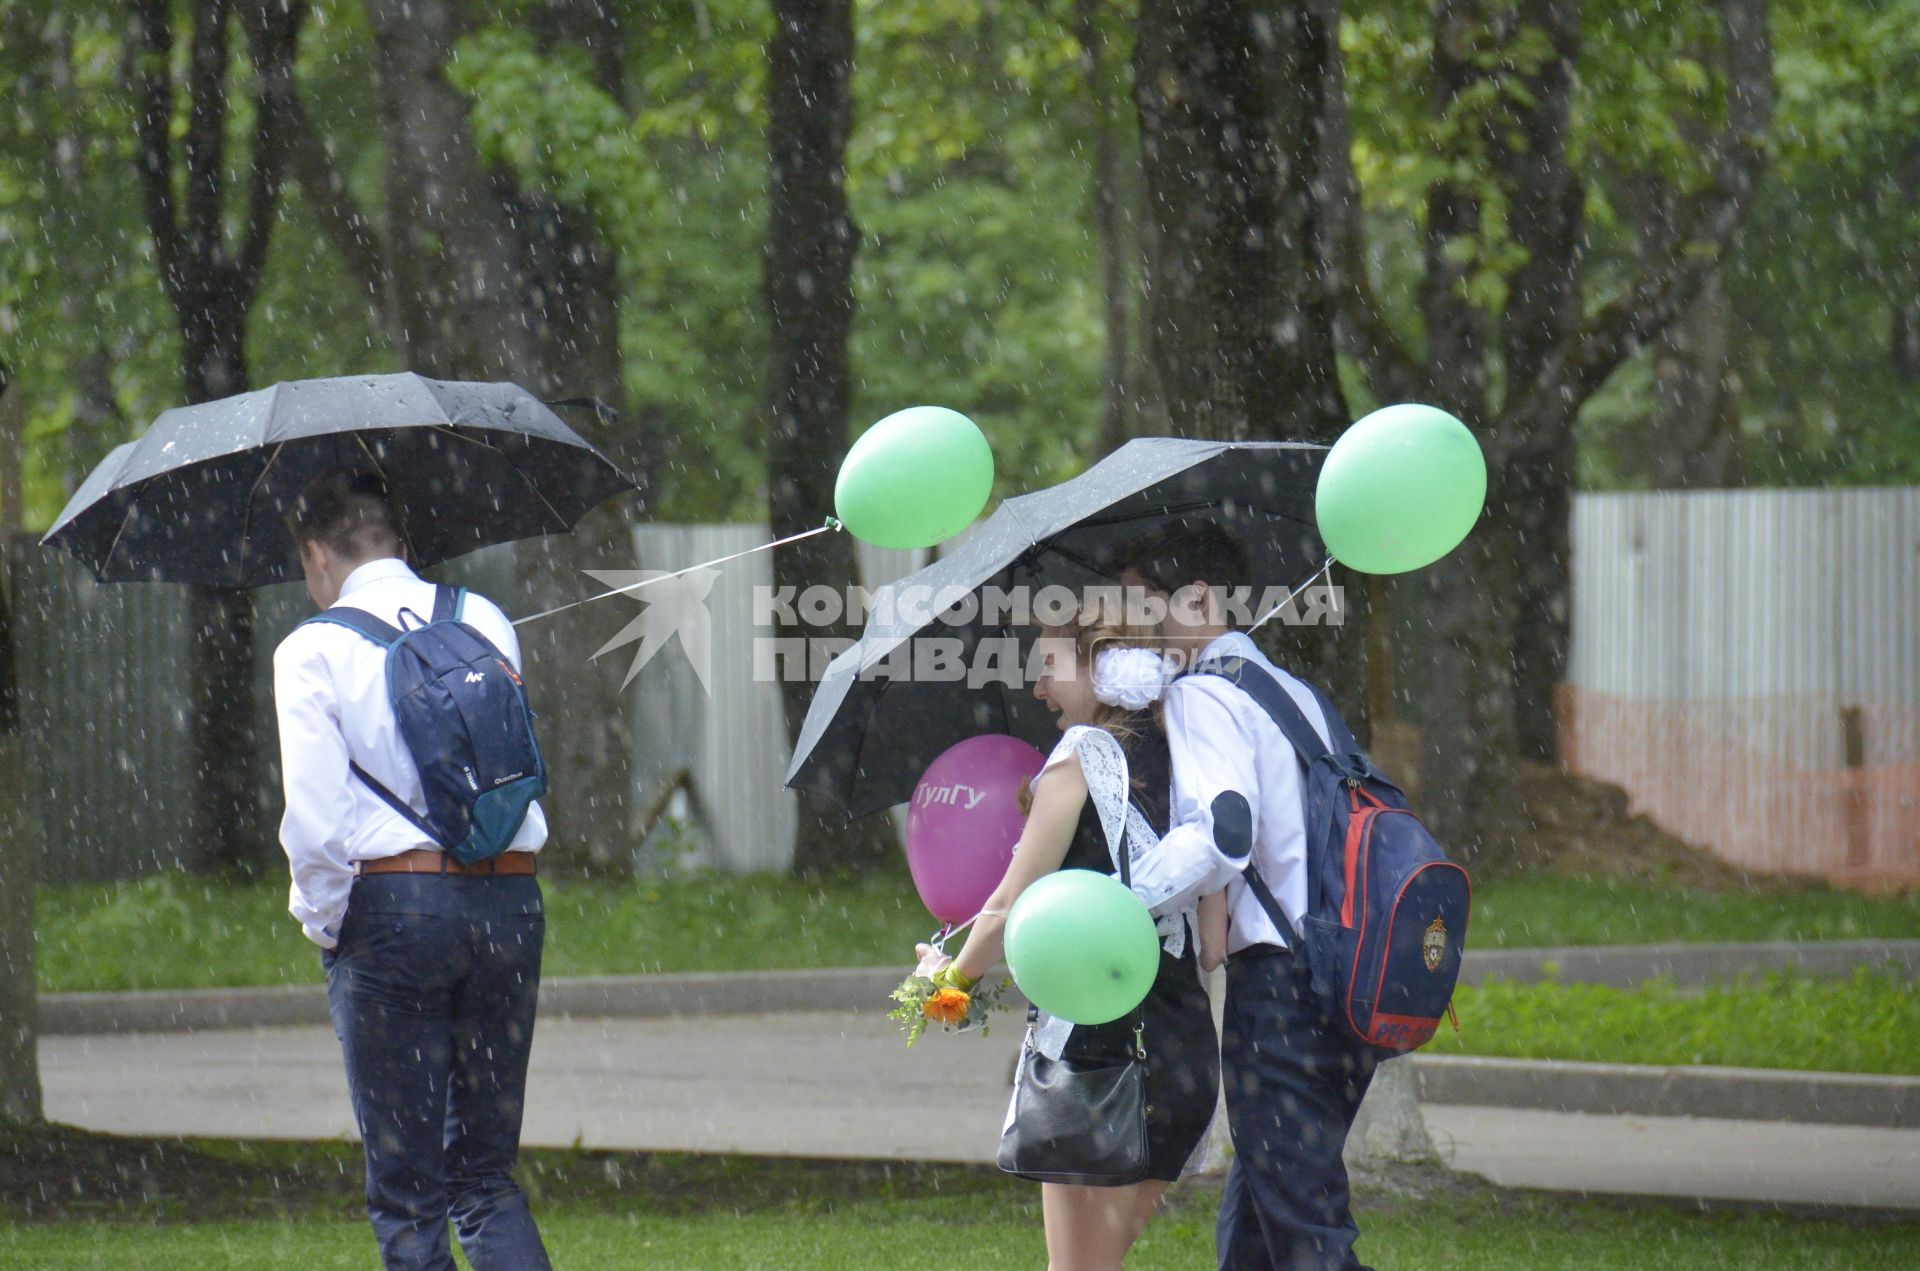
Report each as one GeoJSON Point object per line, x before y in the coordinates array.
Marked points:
{"type": "Point", "coordinates": [1053, 545]}
{"type": "Point", "coordinates": [361, 441]}
{"type": "Point", "coordinates": [246, 509]}
{"type": "Point", "coordinates": [559, 520]}
{"type": "Point", "coordinates": [853, 777]}
{"type": "Point", "coordinates": [405, 532]}
{"type": "Point", "coordinates": [118, 534]}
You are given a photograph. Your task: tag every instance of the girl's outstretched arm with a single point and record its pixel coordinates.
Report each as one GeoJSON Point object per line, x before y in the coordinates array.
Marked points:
{"type": "Point", "coordinates": [1058, 795]}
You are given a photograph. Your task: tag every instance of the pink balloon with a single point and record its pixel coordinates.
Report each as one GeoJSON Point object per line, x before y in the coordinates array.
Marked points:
{"type": "Point", "coordinates": [965, 819]}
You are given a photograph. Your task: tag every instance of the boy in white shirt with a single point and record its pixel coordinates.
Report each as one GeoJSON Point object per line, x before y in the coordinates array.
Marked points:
{"type": "Point", "coordinates": [1293, 1078]}
{"type": "Point", "coordinates": [432, 966]}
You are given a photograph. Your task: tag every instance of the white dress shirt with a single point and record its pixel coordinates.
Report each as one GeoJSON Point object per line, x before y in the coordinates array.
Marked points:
{"type": "Point", "coordinates": [1222, 740]}
{"type": "Point", "coordinates": [330, 692]}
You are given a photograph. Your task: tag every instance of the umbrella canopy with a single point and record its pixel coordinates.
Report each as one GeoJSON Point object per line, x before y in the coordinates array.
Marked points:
{"type": "Point", "coordinates": [870, 731]}
{"type": "Point", "coordinates": [201, 497]}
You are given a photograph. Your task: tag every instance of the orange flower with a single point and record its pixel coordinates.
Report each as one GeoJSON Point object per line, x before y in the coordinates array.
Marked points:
{"type": "Point", "coordinates": [946, 1006]}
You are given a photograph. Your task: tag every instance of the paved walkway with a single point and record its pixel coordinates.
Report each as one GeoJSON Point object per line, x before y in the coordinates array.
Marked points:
{"type": "Point", "coordinates": [837, 1084]}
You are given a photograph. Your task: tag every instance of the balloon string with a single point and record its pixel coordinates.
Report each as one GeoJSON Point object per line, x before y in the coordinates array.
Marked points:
{"type": "Point", "coordinates": [947, 932]}
{"type": "Point", "coordinates": [1324, 567]}
{"type": "Point", "coordinates": [779, 542]}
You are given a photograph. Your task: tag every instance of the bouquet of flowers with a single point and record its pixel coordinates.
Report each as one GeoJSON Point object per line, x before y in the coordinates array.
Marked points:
{"type": "Point", "coordinates": [937, 993]}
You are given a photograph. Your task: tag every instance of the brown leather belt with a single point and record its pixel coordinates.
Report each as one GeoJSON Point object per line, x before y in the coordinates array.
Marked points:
{"type": "Point", "coordinates": [427, 860]}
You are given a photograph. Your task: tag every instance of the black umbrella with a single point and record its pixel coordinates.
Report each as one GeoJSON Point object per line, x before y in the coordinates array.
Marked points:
{"type": "Point", "coordinates": [201, 497]}
{"type": "Point", "coordinates": [871, 732]}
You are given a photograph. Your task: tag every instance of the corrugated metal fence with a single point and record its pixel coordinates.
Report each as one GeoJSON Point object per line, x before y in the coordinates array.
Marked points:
{"type": "Point", "coordinates": [104, 704]}
{"type": "Point", "coordinates": [1747, 665]}
{"type": "Point", "coordinates": [728, 736]}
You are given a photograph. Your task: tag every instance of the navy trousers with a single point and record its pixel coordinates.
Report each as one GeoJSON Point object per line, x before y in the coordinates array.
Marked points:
{"type": "Point", "coordinates": [432, 991]}
{"type": "Point", "coordinates": [1293, 1083]}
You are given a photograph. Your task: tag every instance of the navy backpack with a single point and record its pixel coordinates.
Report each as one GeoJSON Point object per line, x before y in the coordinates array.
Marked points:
{"type": "Point", "coordinates": [1386, 918]}
{"type": "Point", "coordinates": [464, 717]}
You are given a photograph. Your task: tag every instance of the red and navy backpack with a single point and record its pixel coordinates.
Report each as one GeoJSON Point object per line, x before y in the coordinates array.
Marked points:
{"type": "Point", "coordinates": [1386, 918]}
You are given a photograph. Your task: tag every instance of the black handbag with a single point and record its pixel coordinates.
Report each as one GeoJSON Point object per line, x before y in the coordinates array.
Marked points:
{"type": "Point", "coordinates": [1079, 1121]}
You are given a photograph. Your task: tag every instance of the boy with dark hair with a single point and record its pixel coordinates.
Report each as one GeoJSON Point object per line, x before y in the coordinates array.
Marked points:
{"type": "Point", "coordinates": [432, 966]}
{"type": "Point", "coordinates": [349, 512]}
{"type": "Point", "coordinates": [1181, 552]}
{"type": "Point", "coordinates": [1293, 1081]}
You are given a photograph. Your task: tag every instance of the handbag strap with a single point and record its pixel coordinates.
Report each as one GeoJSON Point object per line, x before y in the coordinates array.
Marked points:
{"type": "Point", "coordinates": [1107, 748]}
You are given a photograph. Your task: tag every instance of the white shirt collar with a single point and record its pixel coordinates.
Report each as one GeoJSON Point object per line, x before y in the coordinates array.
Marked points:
{"type": "Point", "coordinates": [1232, 644]}
{"type": "Point", "coordinates": [375, 571]}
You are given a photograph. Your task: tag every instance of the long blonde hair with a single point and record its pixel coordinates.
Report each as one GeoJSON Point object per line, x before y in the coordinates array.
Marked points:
{"type": "Point", "coordinates": [1093, 630]}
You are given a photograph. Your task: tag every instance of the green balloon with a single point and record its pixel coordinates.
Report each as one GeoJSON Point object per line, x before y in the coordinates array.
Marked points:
{"type": "Point", "coordinates": [1400, 489]}
{"type": "Point", "coordinates": [916, 478]}
{"type": "Point", "coordinates": [1081, 946]}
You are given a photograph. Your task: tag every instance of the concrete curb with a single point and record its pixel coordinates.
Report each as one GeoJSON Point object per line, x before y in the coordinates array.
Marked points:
{"type": "Point", "coordinates": [862, 988]}
{"type": "Point", "coordinates": [1735, 1094]}
{"type": "Point", "coordinates": [608, 996]}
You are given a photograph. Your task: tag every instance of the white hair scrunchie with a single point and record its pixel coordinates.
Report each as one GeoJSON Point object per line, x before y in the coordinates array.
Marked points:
{"type": "Point", "coordinates": [1129, 678]}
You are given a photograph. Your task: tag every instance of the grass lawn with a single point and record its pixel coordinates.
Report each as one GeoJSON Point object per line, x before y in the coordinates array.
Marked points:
{"type": "Point", "coordinates": [1865, 1024]}
{"type": "Point", "coordinates": [170, 931]}
{"type": "Point", "coordinates": [1523, 1235]}
{"type": "Point", "coordinates": [1530, 912]}
{"type": "Point", "coordinates": [618, 1210]}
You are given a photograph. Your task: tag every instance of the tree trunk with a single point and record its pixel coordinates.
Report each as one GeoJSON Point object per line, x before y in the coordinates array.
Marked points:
{"type": "Point", "coordinates": [811, 240]}
{"type": "Point", "coordinates": [490, 281]}
{"type": "Point", "coordinates": [1303, 77]}
{"type": "Point", "coordinates": [587, 731]}
{"type": "Point", "coordinates": [1110, 232]}
{"type": "Point", "coordinates": [1695, 441]}
{"type": "Point", "coordinates": [19, 1054]}
{"type": "Point", "coordinates": [1239, 321]}
{"type": "Point", "coordinates": [211, 283]}
{"type": "Point", "coordinates": [1389, 1129]}
{"type": "Point", "coordinates": [1233, 102]}
{"type": "Point", "coordinates": [1904, 336]}
{"type": "Point", "coordinates": [12, 453]}
{"type": "Point", "coordinates": [572, 308]}
{"type": "Point", "coordinates": [1512, 569]}
{"type": "Point", "coordinates": [1466, 700]}
{"type": "Point", "coordinates": [227, 820]}
{"type": "Point", "coordinates": [1546, 203]}
{"type": "Point", "coordinates": [452, 246]}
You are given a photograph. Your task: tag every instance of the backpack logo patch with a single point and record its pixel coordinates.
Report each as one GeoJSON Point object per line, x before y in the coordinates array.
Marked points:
{"type": "Point", "coordinates": [1433, 946]}
{"type": "Point", "coordinates": [474, 677]}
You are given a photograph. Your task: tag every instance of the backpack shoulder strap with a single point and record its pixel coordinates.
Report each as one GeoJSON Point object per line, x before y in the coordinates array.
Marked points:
{"type": "Point", "coordinates": [448, 603]}
{"type": "Point", "coordinates": [395, 802]}
{"type": "Point", "coordinates": [374, 629]}
{"type": "Point", "coordinates": [1300, 733]}
{"type": "Point", "coordinates": [1277, 702]}
{"type": "Point", "coordinates": [1269, 902]}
